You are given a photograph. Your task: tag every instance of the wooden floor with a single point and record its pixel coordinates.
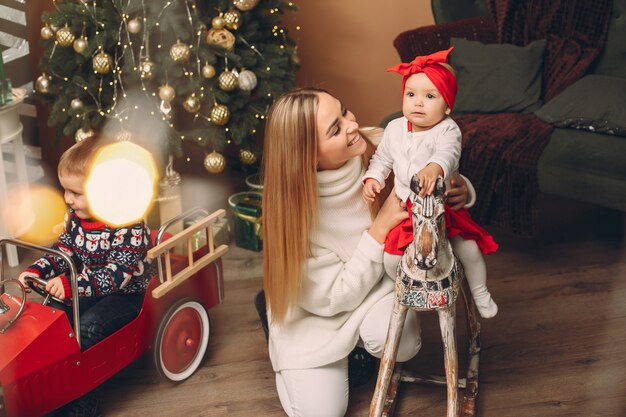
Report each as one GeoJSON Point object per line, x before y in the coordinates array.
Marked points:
{"type": "Point", "coordinates": [556, 348]}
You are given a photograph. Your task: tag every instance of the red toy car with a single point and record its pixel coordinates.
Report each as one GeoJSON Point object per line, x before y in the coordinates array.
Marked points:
{"type": "Point", "coordinates": [41, 364]}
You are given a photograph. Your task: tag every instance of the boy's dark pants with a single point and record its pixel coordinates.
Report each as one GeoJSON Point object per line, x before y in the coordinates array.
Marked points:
{"type": "Point", "coordinates": [102, 316]}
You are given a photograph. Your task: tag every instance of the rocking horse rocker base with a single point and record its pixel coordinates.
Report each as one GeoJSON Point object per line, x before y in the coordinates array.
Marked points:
{"type": "Point", "coordinates": [429, 277]}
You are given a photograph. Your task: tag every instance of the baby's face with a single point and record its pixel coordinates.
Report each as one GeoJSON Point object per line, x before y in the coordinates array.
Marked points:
{"type": "Point", "coordinates": [422, 103]}
{"type": "Point", "coordinates": [74, 194]}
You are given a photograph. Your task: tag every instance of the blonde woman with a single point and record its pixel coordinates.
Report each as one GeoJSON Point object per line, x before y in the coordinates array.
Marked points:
{"type": "Point", "coordinates": [324, 279]}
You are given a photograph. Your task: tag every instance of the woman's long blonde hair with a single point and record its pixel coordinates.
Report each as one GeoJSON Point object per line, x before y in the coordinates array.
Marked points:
{"type": "Point", "coordinates": [290, 195]}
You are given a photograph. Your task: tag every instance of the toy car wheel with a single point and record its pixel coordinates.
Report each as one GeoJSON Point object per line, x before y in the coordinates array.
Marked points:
{"type": "Point", "coordinates": [181, 340]}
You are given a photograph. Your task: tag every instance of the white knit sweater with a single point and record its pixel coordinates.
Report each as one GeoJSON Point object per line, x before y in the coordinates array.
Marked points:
{"type": "Point", "coordinates": [343, 279]}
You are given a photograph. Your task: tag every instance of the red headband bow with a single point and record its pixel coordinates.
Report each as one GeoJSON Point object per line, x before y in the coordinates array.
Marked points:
{"type": "Point", "coordinates": [440, 76]}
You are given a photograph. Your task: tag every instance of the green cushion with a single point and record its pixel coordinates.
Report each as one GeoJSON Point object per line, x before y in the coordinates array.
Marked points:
{"type": "Point", "coordinates": [497, 77]}
{"type": "Point", "coordinates": [595, 102]}
{"type": "Point", "coordinates": [585, 166]}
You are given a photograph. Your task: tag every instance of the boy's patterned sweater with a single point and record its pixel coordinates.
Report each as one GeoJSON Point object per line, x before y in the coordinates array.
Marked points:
{"type": "Point", "coordinates": [108, 260]}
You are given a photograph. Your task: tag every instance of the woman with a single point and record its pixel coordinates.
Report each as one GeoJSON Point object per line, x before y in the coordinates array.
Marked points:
{"type": "Point", "coordinates": [324, 279]}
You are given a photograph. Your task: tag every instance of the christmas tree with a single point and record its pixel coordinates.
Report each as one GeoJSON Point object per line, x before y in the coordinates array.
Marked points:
{"type": "Point", "coordinates": [207, 70]}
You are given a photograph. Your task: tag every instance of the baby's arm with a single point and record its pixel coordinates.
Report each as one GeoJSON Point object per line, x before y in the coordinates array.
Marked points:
{"type": "Point", "coordinates": [370, 189]}
{"type": "Point", "coordinates": [447, 148]}
{"type": "Point", "coordinates": [428, 178]}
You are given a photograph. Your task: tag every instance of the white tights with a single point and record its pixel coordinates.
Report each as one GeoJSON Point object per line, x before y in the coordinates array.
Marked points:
{"type": "Point", "coordinates": [475, 272]}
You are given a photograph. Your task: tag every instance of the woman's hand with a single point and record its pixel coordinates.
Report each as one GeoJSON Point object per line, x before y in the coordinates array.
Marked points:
{"type": "Point", "coordinates": [458, 193]}
{"type": "Point", "coordinates": [390, 215]}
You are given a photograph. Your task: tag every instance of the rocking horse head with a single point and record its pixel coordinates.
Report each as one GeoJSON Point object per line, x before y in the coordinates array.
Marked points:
{"type": "Point", "coordinates": [428, 273]}
{"type": "Point", "coordinates": [428, 226]}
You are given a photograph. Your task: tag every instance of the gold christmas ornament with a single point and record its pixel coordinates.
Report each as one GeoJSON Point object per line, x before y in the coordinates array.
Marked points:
{"type": "Point", "coordinates": [247, 156]}
{"type": "Point", "coordinates": [81, 135]}
{"type": "Point", "coordinates": [179, 51]}
{"type": "Point", "coordinates": [232, 19]}
{"type": "Point", "coordinates": [192, 104]}
{"type": "Point", "coordinates": [65, 36]}
{"type": "Point", "coordinates": [221, 37]}
{"type": "Point", "coordinates": [220, 114]}
{"type": "Point", "coordinates": [214, 162]}
{"type": "Point", "coordinates": [42, 84]}
{"type": "Point", "coordinates": [77, 104]}
{"type": "Point", "coordinates": [134, 26]}
{"type": "Point", "coordinates": [245, 5]}
{"type": "Point", "coordinates": [146, 69]}
{"type": "Point", "coordinates": [218, 22]}
{"type": "Point", "coordinates": [208, 71]}
{"type": "Point", "coordinates": [167, 93]}
{"type": "Point", "coordinates": [47, 32]}
{"type": "Point", "coordinates": [80, 45]}
{"type": "Point", "coordinates": [102, 63]}
{"type": "Point", "coordinates": [247, 80]}
{"type": "Point", "coordinates": [227, 80]}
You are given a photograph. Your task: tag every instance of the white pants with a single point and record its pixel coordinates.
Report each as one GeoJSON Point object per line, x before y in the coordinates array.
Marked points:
{"type": "Point", "coordinates": [323, 391]}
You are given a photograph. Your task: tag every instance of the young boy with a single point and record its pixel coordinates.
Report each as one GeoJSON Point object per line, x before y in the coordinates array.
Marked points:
{"type": "Point", "coordinates": [112, 269]}
{"type": "Point", "coordinates": [427, 141]}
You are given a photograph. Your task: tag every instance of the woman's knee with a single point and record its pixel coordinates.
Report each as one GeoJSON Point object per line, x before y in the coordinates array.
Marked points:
{"type": "Point", "coordinates": [374, 339]}
{"type": "Point", "coordinates": [318, 392]}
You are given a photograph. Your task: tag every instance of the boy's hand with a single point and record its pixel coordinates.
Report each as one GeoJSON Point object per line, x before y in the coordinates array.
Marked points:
{"type": "Point", "coordinates": [55, 288]}
{"type": "Point", "coordinates": [22, 277]}
{"type": "Point", "coordinates": [370, 189]}
{"type": "Point", "coordinates": [428, 178]}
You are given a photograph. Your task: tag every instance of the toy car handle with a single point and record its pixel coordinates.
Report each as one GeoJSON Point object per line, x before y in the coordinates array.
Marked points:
{"type": "Point", "coordinates": [38, 285]}
{"type": "Point", "coordinates": [65, 257]}
{"type": "Point", "coordinates": [4, 308]}
{"type": "Point", "coordinates": [167, 224]}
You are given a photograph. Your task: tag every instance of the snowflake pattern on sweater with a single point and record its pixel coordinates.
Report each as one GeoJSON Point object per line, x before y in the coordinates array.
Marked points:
{"type": "Point", "coordinates": [108, 260]}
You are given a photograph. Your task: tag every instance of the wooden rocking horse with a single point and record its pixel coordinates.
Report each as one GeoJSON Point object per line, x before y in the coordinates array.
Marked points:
{"type": "Point", "coordinates": [429, 277]}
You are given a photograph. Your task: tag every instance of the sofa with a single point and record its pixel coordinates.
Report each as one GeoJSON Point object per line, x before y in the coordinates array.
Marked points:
{"type": "Point", "coordinates": [562, 132]}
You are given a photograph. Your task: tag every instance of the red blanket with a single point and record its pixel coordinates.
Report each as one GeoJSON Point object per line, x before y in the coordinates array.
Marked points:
{"type": "Point", "coordinates": [575, 30]}
{"type": "Point", "coordinates": [500, 155]}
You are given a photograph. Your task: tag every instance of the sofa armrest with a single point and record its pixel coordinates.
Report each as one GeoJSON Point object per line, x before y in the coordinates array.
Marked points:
{"type": "Point", "coordinates": [433, 38]}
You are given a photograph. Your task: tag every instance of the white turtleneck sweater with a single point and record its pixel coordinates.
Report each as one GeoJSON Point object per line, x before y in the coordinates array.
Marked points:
{"type": "Point", "coordinates": [343, 279]}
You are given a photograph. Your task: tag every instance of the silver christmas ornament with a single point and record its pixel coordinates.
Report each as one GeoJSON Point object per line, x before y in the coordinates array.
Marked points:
{"type": "Point", "coordinates": [167, 93]}
{"type": "Point", "coordinates": [77, 104]}
{"type": "Point", "coordinates": [47, 32]}
{"type": "Point", "coordinates": [42, 84]}
{"type": "Point", "coordinates": [134, 26]}
{"type": "Point", "coordinates": [80, 45]}
{"type": "Point", "coordinates": [208, 71]}
{"type": "Point", "coordinates": [245, 5]}
{"type": "Point", "coordinates": [247, 80]}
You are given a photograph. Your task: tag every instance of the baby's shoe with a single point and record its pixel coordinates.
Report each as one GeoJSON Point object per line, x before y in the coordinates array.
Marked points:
{"type": "Point", "coordinates": [486, 306]}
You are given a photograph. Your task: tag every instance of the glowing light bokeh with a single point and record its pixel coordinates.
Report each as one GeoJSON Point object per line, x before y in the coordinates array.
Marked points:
{"type": "Point", "coordinates": [35, 214]}
{"type": "Point", "coordinates": [120, 185]}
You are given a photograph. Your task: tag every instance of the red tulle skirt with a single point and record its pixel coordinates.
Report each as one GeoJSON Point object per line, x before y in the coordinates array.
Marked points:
{"type": "Point", "coordinates": [458, 222]}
